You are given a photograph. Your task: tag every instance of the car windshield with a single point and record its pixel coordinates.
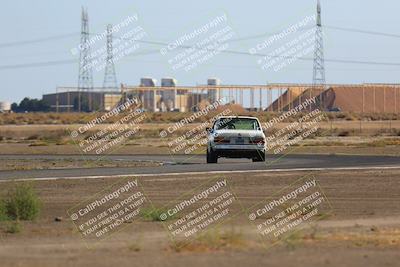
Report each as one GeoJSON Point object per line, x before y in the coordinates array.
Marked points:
{"type": "Point", "coordinates": [237, 124]}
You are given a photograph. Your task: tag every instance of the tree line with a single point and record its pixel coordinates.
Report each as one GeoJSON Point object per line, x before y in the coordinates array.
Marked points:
{"type": "Point", "coordinates": [30, 105]}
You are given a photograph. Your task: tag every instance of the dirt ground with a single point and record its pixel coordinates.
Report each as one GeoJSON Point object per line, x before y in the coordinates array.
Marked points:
{"type": "Point", "coordinates": [356, 145]}
{"type": "Point", "coordinates": [335, 137]}
{"type": "Point", "coordinates": [45, 164]}
{"type": "Point", "coordinates": [362, 227]}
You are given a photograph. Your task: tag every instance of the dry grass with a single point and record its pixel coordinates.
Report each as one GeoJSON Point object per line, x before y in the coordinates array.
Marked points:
{"type": "Point", "coordinates": [60, 134]}
{"type": "Point", "coordinates": [78, 118]}
{"type": "Point", "coordinates": [135, 246]}
{"type": "Point", "coordinates": [372, 237]}
{"type": "Point", "coordinates": [213, 240]}
{"type": "Point", "coordinates": [46, 164]}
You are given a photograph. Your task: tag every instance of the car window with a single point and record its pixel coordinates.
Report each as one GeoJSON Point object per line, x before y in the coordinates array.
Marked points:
{"type": "Point", "coordinates": [236, 124]}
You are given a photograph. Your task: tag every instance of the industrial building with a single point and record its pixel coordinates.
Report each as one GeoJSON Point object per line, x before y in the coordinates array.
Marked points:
{"type": "Point", "coordinates": [5, 107]}
{"type": "Point", "coordinates": [72, 100]}
{"type": "Point", "coordinates": [374, 98]}
{"type": "Point", "coordinates": [168, 96]}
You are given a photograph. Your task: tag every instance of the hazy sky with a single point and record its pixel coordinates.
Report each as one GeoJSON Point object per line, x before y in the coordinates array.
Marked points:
{"type": "Point", "coordinates": [166, 21]}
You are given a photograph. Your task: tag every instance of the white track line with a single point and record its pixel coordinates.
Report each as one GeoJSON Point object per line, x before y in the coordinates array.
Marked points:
{"type": "Point", "coordinates": [205, 172]}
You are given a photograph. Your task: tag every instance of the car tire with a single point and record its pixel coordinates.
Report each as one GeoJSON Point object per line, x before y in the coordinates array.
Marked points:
{"type": "Point", "coordinates": [212, 157]}
{"type": "Point", "coordinates": [260, 157]}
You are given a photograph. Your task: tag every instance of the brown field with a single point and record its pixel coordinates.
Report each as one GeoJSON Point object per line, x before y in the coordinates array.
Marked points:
{"type": "Point", "coordinates": [347, 137]}
{"type": "Point", "coordinates": [44, 164]}
{"type": "Point", "coordinates": [78, 118]}
{"type": "Point", "coordinates": [363, 226]}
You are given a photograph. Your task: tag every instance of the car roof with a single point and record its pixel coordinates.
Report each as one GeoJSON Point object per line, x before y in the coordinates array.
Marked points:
{"type": "Point", "coordinates": [239, 117]}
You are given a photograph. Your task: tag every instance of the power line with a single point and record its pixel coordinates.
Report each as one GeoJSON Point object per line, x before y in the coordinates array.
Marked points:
{"type": "Point", "coordinates": [256, 36]}
{"type": "Point", "coordinates": [158, 43]}
{"type": "Point", "coordinates": [61, 62]}
{"type": "Point", "coordinates": [344, 61]}
{"type": "Point", "coordinates": [362, 31]}
{"type": "Point", "coordinates": [63, 36]}
{"type": "Point", "coordinates": [39, 40]}
{"type": "Point", "coordinates": [245, 38]}
{"type": "Point", "coordinates": [75, 34]}
{"type": "Point", "coordinates": [39, 64]}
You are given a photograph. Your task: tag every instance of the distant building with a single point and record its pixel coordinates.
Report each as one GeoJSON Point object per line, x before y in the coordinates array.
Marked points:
{"type": "Point", "coordinates": [148, 82]}
{"type": "Point", "coordinates": [148, 97]}
{"type": "Point", "coordinates": [74, 101]}
{"type": "Point", "coordinates": [168, 96]}
{"type": "Point", "coordinates": [5, 106]}
{"type": "Point", "coordinates": [213, 94]}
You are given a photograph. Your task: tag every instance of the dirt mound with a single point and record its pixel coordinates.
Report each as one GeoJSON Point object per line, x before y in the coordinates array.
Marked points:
{"type": "Point", "coordinates": [235, 108]}
{"type": "Point", "coordinates": [363, 98]}
{"type": "Point", "coordinates": [286, 99]}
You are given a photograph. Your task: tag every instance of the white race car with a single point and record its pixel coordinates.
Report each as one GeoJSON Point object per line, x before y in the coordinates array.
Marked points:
{"type": "Point", "coordinates": [236, 137]}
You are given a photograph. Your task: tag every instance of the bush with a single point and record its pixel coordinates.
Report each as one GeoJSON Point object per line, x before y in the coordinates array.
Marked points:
{"type": "Point", "coordinates": [22, 203]}
{"type": "Point", "coordinates": [14, 227]}
{"type": "Point", "coordinates": [153, 214]}
{"type": "Point", "coordinates": [3, 211]}
{"type": "Point", "coordinates": [344, 133]}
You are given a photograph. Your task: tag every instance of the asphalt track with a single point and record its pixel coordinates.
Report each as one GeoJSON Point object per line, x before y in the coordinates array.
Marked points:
{"type": "Point", "coordinates": [196, 163]}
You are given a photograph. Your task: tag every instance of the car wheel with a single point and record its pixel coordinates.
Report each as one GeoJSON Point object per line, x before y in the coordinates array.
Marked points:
{"type": "Point", "coordinates": [212, 157]}
{"type": "Point", "coordinates": [260, 157]}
